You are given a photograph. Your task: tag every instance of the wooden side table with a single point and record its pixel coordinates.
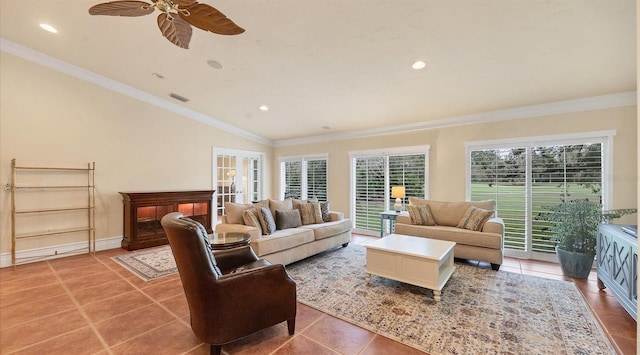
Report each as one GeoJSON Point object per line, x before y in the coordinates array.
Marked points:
{"type": "Point", "coordinates": [230, 240]}
{"type": "Point", "coordinates": [389, 216]}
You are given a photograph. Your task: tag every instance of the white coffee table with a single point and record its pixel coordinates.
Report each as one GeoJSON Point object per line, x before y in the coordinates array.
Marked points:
{"type": "Point", "coordinates": [418, 261]}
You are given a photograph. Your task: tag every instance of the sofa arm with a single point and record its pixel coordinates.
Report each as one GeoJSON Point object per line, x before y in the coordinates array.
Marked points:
{"type": "Point", "coordinates": [494, 225]}
{"type": "Point", "coordinates": [403, 218]}
{"type": "Point", "coordinates": [335, 216]}
{"type": "Point", "coordinates": [253, 232]}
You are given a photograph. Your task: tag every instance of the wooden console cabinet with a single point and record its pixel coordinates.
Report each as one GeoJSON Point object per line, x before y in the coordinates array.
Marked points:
{"type": "Point", "coordinates": [618, 265]}
{"type": "Point", "coordinates": [144, 210]}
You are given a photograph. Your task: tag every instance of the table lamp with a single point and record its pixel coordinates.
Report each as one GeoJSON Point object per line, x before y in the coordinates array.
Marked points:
{"type": "Point", "coordinates": [397, 192]}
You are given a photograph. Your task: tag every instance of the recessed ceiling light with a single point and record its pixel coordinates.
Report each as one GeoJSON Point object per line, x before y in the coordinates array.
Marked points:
{"type": "Point", "coordinates": [419, 65]}
{"type": "Point", "coordinates": [214, 64]}
{"type": "Point", "coordinates": [157, 75]}
{"type": "Point", "coordinates": [264, 108]}
{"type": "Point", "coordinates": [326, 127]}
{"type": "Point", "coordinates": [49, 28]}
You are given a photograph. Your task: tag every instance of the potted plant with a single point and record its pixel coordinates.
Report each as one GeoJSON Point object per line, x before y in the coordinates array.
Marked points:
{"type": "Point", "coordinates": [575, 227]}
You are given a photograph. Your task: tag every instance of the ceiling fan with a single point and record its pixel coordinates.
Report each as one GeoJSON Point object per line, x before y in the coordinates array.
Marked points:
{"type": "Point", "coordinates": [176, 18]}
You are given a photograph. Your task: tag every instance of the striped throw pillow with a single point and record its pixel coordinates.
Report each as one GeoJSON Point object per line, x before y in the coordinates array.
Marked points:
{"type": "Point", "coordinates": [474, 218]}
{"type": "Point", "coordinates": [310, 213]}
{"type": "Point", "coordinates": [250, 218]}
{"type": "Point", "coordinates": [421, 215]}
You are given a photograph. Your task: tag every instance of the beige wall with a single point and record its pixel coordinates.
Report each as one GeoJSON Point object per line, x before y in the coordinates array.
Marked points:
{"type": "Point", "coordinates": [49, 118]}
{"type": "Point", "coordinates": [52, 119]}
{"type": "Point", "coordinates": [447, 156]}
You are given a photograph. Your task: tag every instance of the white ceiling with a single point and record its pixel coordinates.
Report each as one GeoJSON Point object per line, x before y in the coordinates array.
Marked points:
{"type": "Point", "coordinates": [346, 64]}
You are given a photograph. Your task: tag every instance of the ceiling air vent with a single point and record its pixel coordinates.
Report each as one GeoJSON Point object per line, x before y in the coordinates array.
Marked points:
{"type": "Point", "coordinates": [178, 97]}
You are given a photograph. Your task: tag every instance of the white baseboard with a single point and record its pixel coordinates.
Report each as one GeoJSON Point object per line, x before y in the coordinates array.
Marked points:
{"type": "Point", "coordinates": [57, 251]}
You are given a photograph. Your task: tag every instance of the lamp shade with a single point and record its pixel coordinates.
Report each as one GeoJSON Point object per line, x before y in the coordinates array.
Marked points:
{"type": "Point", "coordinates": [397, 191]}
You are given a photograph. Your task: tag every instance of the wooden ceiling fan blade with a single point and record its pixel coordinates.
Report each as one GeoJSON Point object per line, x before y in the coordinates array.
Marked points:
{"type": "Point", "coordinates": [122, 8]}
{"type": "Point", "coordinates": [184, 3]}
{"type": "Point", "coordinates": [209, 19]}
{"type": "Point", "coordinates": [176, 30]}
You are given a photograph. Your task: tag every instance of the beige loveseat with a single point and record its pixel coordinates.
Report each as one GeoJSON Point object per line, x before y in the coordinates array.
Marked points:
{"type": "Point", "coordinates": [288, 245]}
{"type": "Point", "coordinates": [485, 244]}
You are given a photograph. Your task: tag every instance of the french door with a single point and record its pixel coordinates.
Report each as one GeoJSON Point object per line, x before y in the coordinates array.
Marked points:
{"type": "Point", "coordinates": [237, 177]}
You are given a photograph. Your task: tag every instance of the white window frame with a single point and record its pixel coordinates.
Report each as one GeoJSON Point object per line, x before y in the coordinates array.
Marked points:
{"type": "Point", "coordinates": [605, 138]}
{"type": "Point", "coordinates": [304, 159]}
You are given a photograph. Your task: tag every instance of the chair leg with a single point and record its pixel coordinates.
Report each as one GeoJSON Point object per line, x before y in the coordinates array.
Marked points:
{"type": "Point", "coordinates": [216, 349]}
{"type": "Point", "coordinates": [291, 324]}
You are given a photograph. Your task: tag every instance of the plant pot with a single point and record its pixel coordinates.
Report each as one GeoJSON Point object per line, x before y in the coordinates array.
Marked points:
{"type": "Point", "coordinates": [576, 265]}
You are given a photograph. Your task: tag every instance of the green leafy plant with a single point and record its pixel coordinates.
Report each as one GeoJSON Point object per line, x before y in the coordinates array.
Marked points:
{"type": "Point", "coordinates": [575, 223]}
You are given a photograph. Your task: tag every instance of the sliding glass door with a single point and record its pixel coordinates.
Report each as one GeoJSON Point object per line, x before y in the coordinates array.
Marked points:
{"type": "Point", "coordinates": [527, 178]}
{"type": "Point", "coordinates": [373, 174]}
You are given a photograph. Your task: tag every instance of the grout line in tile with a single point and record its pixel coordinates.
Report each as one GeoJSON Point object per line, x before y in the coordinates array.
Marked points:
{"type": "Point", "coordinates": [80, 309]}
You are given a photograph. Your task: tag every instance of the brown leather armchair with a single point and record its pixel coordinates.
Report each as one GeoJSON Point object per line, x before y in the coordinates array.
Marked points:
{"type": "Point", "coordinates": [231, 293]}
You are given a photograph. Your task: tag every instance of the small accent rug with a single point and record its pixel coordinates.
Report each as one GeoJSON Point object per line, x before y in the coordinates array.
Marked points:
{"type": "Point", "coordinates": [481, 312]}
{"type": "Point", "coordinates": [149, 264]}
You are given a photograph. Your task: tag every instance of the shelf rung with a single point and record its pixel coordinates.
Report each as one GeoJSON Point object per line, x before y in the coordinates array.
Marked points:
{"type": "Point", "coordinates": [55, 210]}
{"type": "Point", "coordinates": [53, 187]}
{"type": "Point", "coordinates": [49, 168]}
{"type": "Point", "coordinates": [53, 233]}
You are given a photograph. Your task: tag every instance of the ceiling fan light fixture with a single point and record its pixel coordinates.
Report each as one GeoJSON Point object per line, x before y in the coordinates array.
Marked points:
{"type": "Point", "coordinates": [48, 28]}
{"type": "Point", "coordinates": [417, 65]}
{"type": "Point", "coordinates": [175, 19]}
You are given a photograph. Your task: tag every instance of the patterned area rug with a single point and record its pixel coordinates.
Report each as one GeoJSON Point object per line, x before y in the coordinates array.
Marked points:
{"type": "Point", "coordinates": [149, 264]}
{"type": "Point", "coordinates": [481, 312]}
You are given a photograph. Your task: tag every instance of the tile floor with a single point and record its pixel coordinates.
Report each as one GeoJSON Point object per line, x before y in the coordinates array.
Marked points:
{"type": "Point", "coordinates": [91, 305]}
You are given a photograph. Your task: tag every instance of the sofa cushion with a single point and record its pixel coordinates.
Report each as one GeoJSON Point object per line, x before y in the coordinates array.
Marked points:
{"type": "Point", "coordinates": [287, 219]}
{"type": "Point", "coordinates": [453, 234]}
{"type": "Point", "coordinates": [233, 211]}
{"type": "Point", "coordinates": [281, 240]}
{"type": "Point", "coordinates": [474, 218]}
{"type": "Point", "coordinates": [450, 213]}
{"type": "Point", "coordinates": [310, 213]}
{"type": "Point", "coordinates": [250, 217]}
{"type": "Point", "coordinates": [282, 205]}
{"type": "Point", "coordinates": [261, 203]}
{"type": "Point", "coordinates": [421, 215]}
{"type": "Point", "coordinates": [329, 229]}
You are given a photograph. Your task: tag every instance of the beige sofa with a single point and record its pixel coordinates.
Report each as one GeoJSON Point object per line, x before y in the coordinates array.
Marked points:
{"type": "Point", "coordinates": [285, 246]}
{"type": "Point", "coordinates": [485, 244]}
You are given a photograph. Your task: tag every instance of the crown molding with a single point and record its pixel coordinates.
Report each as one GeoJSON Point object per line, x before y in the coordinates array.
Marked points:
{"type": "Point", "coordinates": [109, 84]}
{"type": "Point", "coordinates": [622, 99]}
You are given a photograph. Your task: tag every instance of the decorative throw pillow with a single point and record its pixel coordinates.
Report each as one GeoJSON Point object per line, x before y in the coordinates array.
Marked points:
{"type": "Point", "coordinates": [287, 219]}
{"type": "Point", "coordinates": [250, 218]}
{"type": "Point", "coordinates": [233, 211]}
{"type": "Point", "coordinates": [324, 210]}
{"type": "Point", "coordinates": [297, 203]}
{"type": "Point", "coordinates": [474, 218]}
{"type": "Point", "coordinates": [310, 213]}
{"type": "Point", "coordinates": [421, 215]}
{"type": "Point", "coordinates": [269, 223]}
